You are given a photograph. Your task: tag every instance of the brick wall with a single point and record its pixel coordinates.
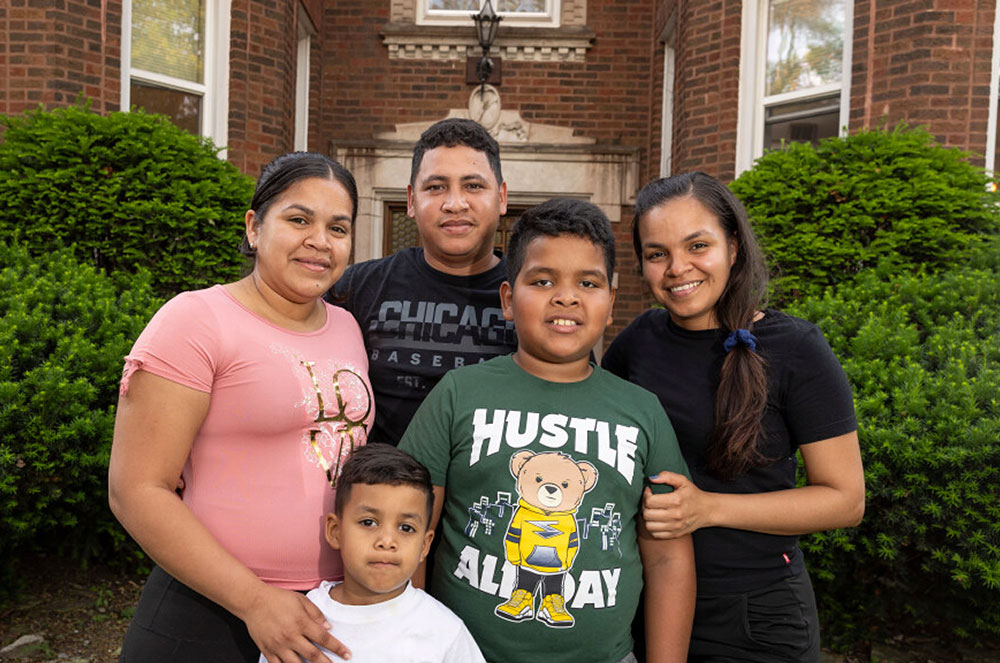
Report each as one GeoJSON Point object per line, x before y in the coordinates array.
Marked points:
{"type": "Point", "coordinates": [926, 62]}
{"type": "Point", "coordinates": [706, 87]}
{"type": "Point", "coordinates": [51, 51]}
{"type": "Point", "coordinates": [261, 82]}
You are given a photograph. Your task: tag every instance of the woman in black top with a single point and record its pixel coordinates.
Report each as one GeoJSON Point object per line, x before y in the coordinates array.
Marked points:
{"type": "Point", "coordinates": [745, 387]}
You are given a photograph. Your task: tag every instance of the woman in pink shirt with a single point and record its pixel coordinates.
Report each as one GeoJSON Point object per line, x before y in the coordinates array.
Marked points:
{"type": "Point", "coordinates": [252, 394]}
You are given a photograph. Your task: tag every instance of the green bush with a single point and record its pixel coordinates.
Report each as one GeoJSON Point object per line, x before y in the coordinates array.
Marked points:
{"type": "Point", "coordinates": [882, 198]}
{"type": "Point", "coordinates": [64, 329]}
{"type": "Point", "coordinates": [923, 355]}
{"type": "Point", "coordinates": [124, 190]}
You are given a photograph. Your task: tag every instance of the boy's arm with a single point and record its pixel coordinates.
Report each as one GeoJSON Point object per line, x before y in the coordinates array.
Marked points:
{"type": "Point", "coordinates": [419, 578]}
{"type": "Point", "coordinates": [670, 592]}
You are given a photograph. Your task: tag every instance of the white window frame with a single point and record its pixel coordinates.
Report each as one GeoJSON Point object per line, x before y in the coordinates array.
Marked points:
{"type": "Point", "coordinates": [992, 119]}
{"type": "Point", "coordinates": [306, 31]}
{"type": "Point", "coordinates": [667, 103]}
{"type": "Point", "coordinates": [753, 102]}
{"type": "Point", "coordinates": [546, 19]}
{"type": "Point", "coordinates": [214, 91]}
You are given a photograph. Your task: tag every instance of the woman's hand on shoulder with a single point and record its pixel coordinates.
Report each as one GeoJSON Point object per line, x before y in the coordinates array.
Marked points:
{"type": "Point", "coordinates": [286, 626]}
{"type": "Point", "coordinates": [674, 514]}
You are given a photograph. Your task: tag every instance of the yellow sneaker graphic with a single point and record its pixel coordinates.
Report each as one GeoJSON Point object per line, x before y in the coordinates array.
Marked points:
{"type": "Point", "coordinates": [553, 612]}
{"type": "Point", "coordinates": [519, 607]}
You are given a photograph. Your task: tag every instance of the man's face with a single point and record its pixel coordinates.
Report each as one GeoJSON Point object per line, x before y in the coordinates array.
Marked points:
{"type": "Point", "coordinates": [457, 203]}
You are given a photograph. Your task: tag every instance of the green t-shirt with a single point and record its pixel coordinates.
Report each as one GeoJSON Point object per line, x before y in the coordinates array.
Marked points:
{"type": "Point", "coordinates": [543, 483]}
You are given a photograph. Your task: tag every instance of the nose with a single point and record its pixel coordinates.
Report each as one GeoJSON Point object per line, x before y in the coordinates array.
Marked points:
{"type": "Point", "coordinates": [317, 237]}
{"type": "Point", "coordinates": [677, 266]}
{"type": "Point", "coordinates": [564, 295]}
{"type": "Point", "coordinates": [454, 200]}
{"type": "Point", "coordinates": [386, 540]}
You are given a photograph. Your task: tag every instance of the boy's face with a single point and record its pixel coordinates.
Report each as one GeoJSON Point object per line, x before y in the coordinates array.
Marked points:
{"type": "Point", "coordinates": [457, 203]}
{"type": "Point", "coordinates": [560, 303]}
{"type": "Point", "coordinates": [382, 536]}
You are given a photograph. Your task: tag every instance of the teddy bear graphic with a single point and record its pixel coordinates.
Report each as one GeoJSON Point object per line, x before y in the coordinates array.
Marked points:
{"type": "Point", "coordinates": [541, 539]}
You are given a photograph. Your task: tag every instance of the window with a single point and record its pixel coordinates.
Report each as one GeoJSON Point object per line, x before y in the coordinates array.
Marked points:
{"type": "Point", "coordinates": [532, 30]}
{"type": "Point", "coordinates": [528, 13]}
{"type": "Point", "coordinates": [306, 31]}
{"type": "Point", "coordinates": [796, 53]}
{"type": "Point", "coordinates": [175, 56]}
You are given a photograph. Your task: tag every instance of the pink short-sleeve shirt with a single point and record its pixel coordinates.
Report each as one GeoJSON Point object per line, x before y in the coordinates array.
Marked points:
{"type": "Point", "coordinates": [286, 409]}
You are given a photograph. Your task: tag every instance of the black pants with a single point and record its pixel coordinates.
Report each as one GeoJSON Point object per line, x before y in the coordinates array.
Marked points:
{"type": "Point", "coordinates": [175, 624]}
{"type": "Point", "coordinates": [776, 624]}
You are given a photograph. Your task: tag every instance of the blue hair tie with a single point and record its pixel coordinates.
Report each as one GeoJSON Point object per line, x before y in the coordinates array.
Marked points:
{"type": "Point", "coordinates": [740, 336]}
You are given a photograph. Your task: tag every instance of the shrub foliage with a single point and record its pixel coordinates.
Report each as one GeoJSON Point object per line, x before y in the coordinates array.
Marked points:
{"type": "Point", "coordinates": [887, 198]}
{"type": "Point", "coordinates": [64, 329]}
{"type": "Point", "coordinates": [923, 355]}
{"type": "Point", "coordinates": [124, 190]}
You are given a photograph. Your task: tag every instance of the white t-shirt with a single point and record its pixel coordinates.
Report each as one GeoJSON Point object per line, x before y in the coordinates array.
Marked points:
{"type": "Point", "coordinates": [414, 627]}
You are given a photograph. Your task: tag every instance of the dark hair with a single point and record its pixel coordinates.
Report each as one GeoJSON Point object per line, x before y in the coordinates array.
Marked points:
{"type": "Point", "coordinates": [457, 131]}
{"type": "Point", "coordinates": [560, 216]}
{"type": "Point", "coordinates": [287, 169]}
{"type": "Point", "coordinates": [734, 446]}
{"type": "Point", "coordinates": [382, 464]}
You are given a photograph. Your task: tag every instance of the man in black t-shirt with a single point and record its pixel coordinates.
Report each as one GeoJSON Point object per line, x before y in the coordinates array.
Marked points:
{"type": "Point", "coordinates": [428, 309]}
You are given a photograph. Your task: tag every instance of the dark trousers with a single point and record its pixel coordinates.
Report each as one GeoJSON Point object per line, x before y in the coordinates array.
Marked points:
{"type": "Point", "coordinates": [776, 624]}
{"type": "Point", "coordinates": [175, 624]}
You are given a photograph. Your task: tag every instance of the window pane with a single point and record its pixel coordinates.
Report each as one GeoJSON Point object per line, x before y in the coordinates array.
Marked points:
{"type": "Point", "coordinates": [183, 108]}
{"type": "Point", "coordinates": [801, 122]}
{"type": "Point", "coordinates": [168, 37]}
{"type": "Point", "coordinates": [401, 231]}
{"type": "Point", "coordinates": [501, 6]}
{"type": "Point", "coordinates": [453, 5]}
{"type": "Point", "coordinates": [805, 44]}
{"type": "Point", "coordinates": [527, 6]}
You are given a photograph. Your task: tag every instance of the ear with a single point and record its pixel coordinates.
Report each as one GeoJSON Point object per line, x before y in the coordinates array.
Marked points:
{"type": "Point", "coordinates": [611, 306]}
{"type": "Point", "coordinates": [411, 208]}
{"type": "Point", "coordinates": [507, 300]}
{"type": "Point", "coordinates": [518, 460]}
{"type": "Point", "coordinates": [250, 219]}
{"type": "Point", "coordinates": [503, 198]}
{"type": "Point", "coordinates": [589, 473]}
{"type": "Point", "coordinates": [428, 537]}
{"type": "Point", "coordinates": [734, 249]}
{"type": "Point", "coordinates": [332, 530]}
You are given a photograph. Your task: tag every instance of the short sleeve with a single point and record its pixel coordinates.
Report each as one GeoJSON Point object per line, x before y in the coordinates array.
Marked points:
{"type": "Point", "coordinates": [178, 344]}
{"type": "Point", "coordinates": [817, 397]}
{"type": "Point", "coordinates": [664, 451]}
{"type": "Point", "coordinates": [463, 649]}
{"type": "Point", "coordinates": [428, 438]}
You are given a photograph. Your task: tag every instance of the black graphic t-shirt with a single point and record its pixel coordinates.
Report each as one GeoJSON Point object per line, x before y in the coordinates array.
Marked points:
{"type": "Point", "coordinates": [419, 323]}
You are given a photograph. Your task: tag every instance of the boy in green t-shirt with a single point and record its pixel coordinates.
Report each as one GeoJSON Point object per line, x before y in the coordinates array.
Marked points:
{"type": "Point", "coordinates": [538, 462]}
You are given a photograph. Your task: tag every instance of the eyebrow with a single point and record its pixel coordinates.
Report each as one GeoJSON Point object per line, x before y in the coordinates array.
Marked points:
{"type": "Point", "coordinates": [535, 271]}
{"type": "Point", "coordinates": [311, 212]}
{"type": "Point", "coordinates": [364, 508]}
{"type": "Point", "coordinates": [472, 177]}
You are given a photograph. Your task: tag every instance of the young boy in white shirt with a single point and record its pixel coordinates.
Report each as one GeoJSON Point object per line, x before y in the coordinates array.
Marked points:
{"type": "Point", "coordinates": [380, 525]}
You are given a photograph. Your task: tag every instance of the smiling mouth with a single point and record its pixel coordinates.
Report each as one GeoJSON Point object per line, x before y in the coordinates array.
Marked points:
{"type": "Point", "coordinates": [563, 322]}
{"type": "Point", "coordinates": [685, 287]}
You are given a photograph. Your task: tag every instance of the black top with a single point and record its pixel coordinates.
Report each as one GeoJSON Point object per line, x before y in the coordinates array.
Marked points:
{"type": "Point", "coordinates": [808, 400]}
{"type": "Point", "coordinates": [418, 323]}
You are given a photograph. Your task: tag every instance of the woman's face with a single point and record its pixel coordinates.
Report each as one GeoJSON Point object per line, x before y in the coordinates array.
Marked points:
{"type": "Point", "coordinates": [686, 259]}
{"type": "Point", "coordinates": [304, 240]}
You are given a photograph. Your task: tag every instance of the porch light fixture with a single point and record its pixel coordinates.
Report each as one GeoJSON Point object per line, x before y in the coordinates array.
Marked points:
{"type": "Point", "coordinates": [487, 22]}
